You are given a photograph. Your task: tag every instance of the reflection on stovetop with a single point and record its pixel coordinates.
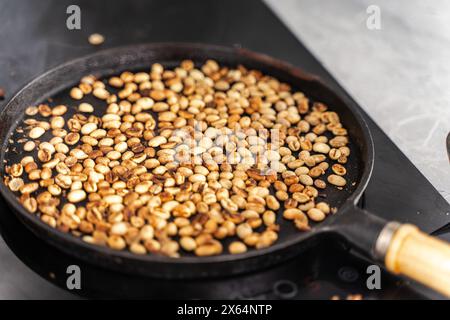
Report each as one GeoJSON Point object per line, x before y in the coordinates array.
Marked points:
{"type": "Point", "coordinates": [322, 272]}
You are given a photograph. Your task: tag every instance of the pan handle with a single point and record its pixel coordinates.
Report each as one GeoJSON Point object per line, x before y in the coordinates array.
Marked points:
{"type": "Point", "coordinates": [408, 251]}
{"type": "Point", "coordinates": [403, 248]}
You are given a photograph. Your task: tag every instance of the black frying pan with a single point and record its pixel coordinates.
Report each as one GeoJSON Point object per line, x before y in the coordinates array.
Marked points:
{"type": "Point", "coordinates": [402, 247]}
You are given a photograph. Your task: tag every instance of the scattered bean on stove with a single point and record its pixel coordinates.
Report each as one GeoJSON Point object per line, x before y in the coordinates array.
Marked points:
{"type": "Point", "coordinates": [96, 39]}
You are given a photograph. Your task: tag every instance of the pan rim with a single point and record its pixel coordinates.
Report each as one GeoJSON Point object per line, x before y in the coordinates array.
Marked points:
{"type": "Point", "coordinates": [286, 67]}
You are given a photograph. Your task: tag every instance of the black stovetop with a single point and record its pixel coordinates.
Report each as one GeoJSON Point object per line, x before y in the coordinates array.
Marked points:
{"type": "Point", "coordinates": [38, 39]}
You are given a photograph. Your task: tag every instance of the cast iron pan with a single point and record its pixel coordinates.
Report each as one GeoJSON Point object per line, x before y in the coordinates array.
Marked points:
{"type": "Point", "coordinates": [357, 227]}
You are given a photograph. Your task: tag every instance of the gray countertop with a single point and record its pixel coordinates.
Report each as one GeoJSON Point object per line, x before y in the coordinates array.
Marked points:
{"type": "Point", "coordinates": [400, 74]}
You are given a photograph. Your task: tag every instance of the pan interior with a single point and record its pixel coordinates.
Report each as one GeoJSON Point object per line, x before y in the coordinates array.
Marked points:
{"type": "Point", "coordinates": [53, 88]}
